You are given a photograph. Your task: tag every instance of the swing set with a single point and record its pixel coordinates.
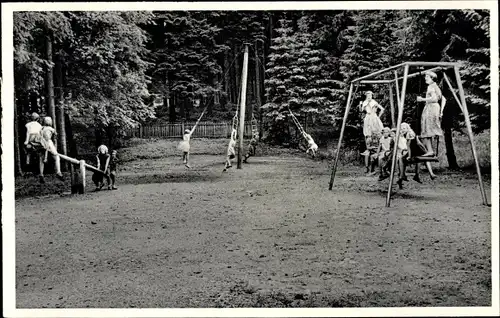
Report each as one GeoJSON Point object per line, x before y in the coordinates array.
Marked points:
{"type": "Point", "coordinates": [393, 85]}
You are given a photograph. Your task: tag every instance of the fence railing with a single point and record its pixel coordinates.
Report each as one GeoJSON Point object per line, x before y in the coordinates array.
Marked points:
{"type": "Point", "coordinates": [203, 130]}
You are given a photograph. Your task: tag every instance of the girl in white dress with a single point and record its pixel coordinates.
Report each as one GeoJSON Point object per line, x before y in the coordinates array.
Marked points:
{"type": "Point", "coordinates": [49, 134]}
{"type": "Point", "coordinates": [312, 146]}
{"type": "Point", "coordinates": [231, 153]}
{"type": "Point", "coordinates": [431, 115]}
{"type": "Point", "coordinates": [371, 122]}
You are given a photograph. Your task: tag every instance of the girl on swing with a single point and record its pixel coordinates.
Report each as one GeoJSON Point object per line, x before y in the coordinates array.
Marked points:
{"type": "Point", "coordinates": [412, 148]}
{"type": "Point", "coordinates": [431, 116]}
{"type": "Point", "coordinates": [371, 122]}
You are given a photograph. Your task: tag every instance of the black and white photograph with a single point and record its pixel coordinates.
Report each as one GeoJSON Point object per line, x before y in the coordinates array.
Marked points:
{"type": "Point", "coordinates": [258, 159]}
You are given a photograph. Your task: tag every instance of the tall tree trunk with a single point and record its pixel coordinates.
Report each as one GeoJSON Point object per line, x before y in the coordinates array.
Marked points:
{"type": "Point", "coordinates": [227, 76]}
{"type": "Point", "coordinates": [172, 116]}
{"type": "Point", "coordinates": [60, 103]}
{"type": "Point", "coordinates": [258, 92]}
{"type": "Point", "coordinates": [97, 129]}
{"type": "Point", "coordinates": [72, 150]}
{"type": "Point", "coordinates": [17, 149]}
{"type": "Point", "coordinates": [50, 83]}
{"type": "Point", "coordinates": [182, 110]}
{"type": "Point", "coordinates": [448, 140]}
{"type": "Point", "coordinates": [237, 72]}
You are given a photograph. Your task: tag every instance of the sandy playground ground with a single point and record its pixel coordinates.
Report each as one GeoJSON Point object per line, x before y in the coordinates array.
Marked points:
{"type": "Point", "coordinates": [269, 235]}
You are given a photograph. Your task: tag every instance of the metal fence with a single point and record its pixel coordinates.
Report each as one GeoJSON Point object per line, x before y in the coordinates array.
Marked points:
{"type": "Point", "coordinates": [203, 130]}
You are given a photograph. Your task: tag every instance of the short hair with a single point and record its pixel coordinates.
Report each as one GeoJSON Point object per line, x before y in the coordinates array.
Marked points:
{"type": "Point", "coordinates": [369, 92]}
{"type": "Point", "coordinates": [47, 121]}
{"type": "Point", "coordinates": [431, 74]}
{"type": "Point", "coordinates": [35, 116]}
{"type": "Point", "coordinates": [102, 149]}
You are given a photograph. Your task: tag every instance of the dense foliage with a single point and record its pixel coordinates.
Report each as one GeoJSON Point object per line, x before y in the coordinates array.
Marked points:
{"type": "Point", "coordinates": [109, 71]}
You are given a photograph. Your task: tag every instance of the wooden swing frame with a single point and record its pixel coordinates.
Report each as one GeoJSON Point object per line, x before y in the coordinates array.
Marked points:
{"type": "Point", "coordinates": [393, 85]}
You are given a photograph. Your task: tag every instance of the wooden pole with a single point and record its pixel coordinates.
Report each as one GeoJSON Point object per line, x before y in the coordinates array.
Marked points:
{"type": "Point", "coordinates": [348, 106]}
{"type": "Point", "coordinates": [391, 102]}
{"type": "Point", "coordinates": [471, 137]}
{"type": "Point", "coordinates": [453, 92]}
{"type": "Point", "coordinates": [398, 96]}
{"type": "Point", "coordinates": [82, 176]}
{"type": "Point", "coordinates": [378, 72]}
{"type": "Point", "coordinates": [376, 81]}
{"type": "Point", "coordinates": [398, 131]}
{"type": "Point", "coordinates": [258, 83]}
{"type": "Point", "coordinates": [242, 105]}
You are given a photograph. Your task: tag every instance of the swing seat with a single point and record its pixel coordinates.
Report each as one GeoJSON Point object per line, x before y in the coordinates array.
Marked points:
{"type": "Point", "coordinates": [418, 159]}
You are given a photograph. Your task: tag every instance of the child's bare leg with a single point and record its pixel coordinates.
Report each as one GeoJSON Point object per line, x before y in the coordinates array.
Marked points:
{"type": "Point", "coordinates": [367, 162]}
{"type": "Point", "coordinates": [46, 156]}
{"type": "Point", "coordinates": [41, 166]}
{"type": "Point", "coordinates": [429, 168]}
{"type": "Point", "coordinates": [416, 177]}
{"type": "Point", "coordinates": [428, 146]}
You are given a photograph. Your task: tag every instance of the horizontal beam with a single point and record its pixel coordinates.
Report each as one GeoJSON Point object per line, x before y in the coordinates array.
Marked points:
{"type": "Point", "coordinates": [423, 72]}
{"type": "Point", "coordinates": [378, 73]}
{"type": "Point", "coordinates": [414, 64]}
{"type": "Point", "coordinates": [376, 81]}
{"type": "Point", "coordinates": [443, 64]}
{"type": "Point", "coordinates": [76, 162]}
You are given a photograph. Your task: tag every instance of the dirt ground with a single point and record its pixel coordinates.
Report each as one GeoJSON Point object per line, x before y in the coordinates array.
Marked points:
{"type": "Point", "coordinates": [269, 235]}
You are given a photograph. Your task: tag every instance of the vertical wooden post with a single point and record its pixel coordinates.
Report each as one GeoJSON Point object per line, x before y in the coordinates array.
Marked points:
{"type": "Point", "coordinates": [348, 106]}
{"type": "Point", "coordinates": [471, 137]}
{"type": "Point", "coordinates": [242, 105]}
{"type": "Point", "coordinates": [391, 102]}
{"type": "Point", "coordinates": [82, 176]}
{"type": "Point", "coordinates": [398, 96]}
{"type": "Point", "coordinates": [398, 131]}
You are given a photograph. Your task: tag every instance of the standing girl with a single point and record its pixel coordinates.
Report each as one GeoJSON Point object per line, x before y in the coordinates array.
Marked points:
{"type": "Point", "coordinates": [184, 145]}
{"type": "Point", "coordinates": [372, 122]}
{"type": "Point", "coordinates": [431, 115]}
{"type": "Point", "coordinates": [48, 134]}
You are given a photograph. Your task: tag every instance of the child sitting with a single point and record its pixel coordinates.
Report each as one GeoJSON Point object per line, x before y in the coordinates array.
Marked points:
{"type": "Point", "coordinates": [251, 149]}
{"type": "Point", "coordinates": [231, 154]}
{"type": "Point", "coordinates": [312, 147]}
{"type": "Point", "coordinates": [370, 153]}
{"type": "Point", "coordinates": [103, 160]}
{"type": "Point", "coordinates": [383, 152]}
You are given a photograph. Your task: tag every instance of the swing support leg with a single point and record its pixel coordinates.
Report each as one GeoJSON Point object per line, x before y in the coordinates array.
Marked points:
{"type": "Point", "coordinates": [391, 102]}
{"type": "Point", "coordinates": [401, 101]}
{"type": "Point", "coordinates": [469, 130]}
{"type": "Point", "coordinates": [348, 106]}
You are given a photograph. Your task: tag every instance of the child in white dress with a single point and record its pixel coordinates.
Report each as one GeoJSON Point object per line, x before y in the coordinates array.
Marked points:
{"type": "Point", "coordinates": [231, 154]}
{"type": "Point", "coordinates": [312, 146]}
{"type": "Point", "coordinates": [49, 134]}
{"type": "Point", "coordinates": [371, 122]}
{"type": "Point", "coordinates": [184, 146]}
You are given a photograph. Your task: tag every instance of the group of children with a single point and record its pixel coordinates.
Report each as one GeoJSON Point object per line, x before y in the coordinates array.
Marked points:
{"type": "Point", "coordinates": [41, 140]}
{"type": "Point", "coordinates": [380, 149]}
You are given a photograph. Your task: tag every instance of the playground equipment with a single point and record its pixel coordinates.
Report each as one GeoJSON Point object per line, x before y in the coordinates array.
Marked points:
{"type": "Point", "coordinates": [78, 183]}
{"type": "Point", "coordinates": [400, 98]}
